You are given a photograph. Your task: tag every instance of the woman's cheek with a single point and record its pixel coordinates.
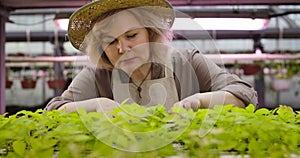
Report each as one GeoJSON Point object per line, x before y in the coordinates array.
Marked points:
{"type": "Point", "coordinates": [112, 56]}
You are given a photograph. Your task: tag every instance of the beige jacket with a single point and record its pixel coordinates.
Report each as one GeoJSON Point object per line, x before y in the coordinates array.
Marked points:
{"type": "Point", "coordinates": [193, 73]}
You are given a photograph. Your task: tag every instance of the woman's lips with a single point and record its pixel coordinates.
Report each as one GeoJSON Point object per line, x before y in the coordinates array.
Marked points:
{"type": "Point", "coordinates": [128, 60]}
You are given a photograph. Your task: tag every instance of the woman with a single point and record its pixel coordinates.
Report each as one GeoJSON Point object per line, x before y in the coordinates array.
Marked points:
{"type": "Point", "coordinates": [129, 44]}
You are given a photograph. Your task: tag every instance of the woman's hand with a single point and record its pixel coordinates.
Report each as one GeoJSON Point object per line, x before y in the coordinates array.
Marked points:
{"type": "Point", "coordinates": [105, 104]}
{"type": "Point", "coordinates": [209, 100]}
{"type": "Point", "coordinates": [191, 102]}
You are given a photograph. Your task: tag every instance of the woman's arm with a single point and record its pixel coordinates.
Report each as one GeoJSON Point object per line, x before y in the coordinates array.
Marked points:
{"type": "Point", "coordinates": [84, 91]}
{"type": "Point", "coordinates": [90, 105]}
{"type": "Point", "coordinates": [216, 86]}
{"type": "Point", "coordinates": [218, 79]}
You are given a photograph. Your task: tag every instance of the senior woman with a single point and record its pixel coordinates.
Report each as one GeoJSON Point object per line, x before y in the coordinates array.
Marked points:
{"type": "Point", "coordinates": [129, 45]}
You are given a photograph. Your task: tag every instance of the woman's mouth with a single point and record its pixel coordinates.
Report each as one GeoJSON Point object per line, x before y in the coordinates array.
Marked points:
{"type": "Point", "coordinates": [128, 60]}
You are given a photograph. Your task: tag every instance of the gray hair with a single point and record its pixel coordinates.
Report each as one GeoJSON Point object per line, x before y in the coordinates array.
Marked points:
{"type": "Point", "coordinates": [152, 18]}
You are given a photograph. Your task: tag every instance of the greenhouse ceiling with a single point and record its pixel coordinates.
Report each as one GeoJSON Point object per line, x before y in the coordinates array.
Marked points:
{"type": "Point", "coordinates": [30, 4]}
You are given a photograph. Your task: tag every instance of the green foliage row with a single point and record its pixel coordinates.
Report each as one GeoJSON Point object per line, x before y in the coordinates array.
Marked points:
{"type": "Point", "coordinates": [136, 131]}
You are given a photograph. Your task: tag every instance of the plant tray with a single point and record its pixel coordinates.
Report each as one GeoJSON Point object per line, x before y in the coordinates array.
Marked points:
{"type": "Point", "coordinates": [281, 84]}
{"type": "Point", "coordinates": [250, 69]}
{"type": "Point", "coordinates": [57, 84]}
{"type": "Point", "coordinates": [8, 84]}
{"type": "Point", "coordinates": [28, 84]}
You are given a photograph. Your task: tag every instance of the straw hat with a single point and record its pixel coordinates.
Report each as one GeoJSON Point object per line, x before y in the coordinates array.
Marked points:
{"type": "Point", "coordinates": [81, 21]}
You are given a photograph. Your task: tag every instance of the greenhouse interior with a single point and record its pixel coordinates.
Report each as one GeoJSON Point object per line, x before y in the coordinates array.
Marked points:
{"type": "Point", "coordinates": [257, 41]}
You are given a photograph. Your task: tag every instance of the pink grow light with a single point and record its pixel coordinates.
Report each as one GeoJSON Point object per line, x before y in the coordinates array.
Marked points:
{"type": "Point", "coordinates": [232, 23]}
{"type": "Point", "coordinates": [220, 24]}
{"type": "Point", "coordinates": [203, 23]}
{"type": "Point", "coordinates": [61, 24]}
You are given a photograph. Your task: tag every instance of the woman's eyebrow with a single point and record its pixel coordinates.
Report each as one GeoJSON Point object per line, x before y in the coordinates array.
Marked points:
{"type": "Point", "coordinates": [133, 28]}
{"type": "Point", "coordinates": [107, 37]}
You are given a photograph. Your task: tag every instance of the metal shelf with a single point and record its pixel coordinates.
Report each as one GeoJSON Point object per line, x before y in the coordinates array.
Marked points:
{"type": "Point", "coordinates": [37, 36]}
{"type": "Point", "coordinates": [217, 58]}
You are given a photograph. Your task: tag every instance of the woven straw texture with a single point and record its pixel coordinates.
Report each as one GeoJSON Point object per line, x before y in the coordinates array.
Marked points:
{"type": "Point", "coordinates": [81, 21]}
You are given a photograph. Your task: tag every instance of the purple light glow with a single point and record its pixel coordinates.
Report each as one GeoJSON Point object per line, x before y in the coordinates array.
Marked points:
{"type": "Point", "coordinates": [61, 24]}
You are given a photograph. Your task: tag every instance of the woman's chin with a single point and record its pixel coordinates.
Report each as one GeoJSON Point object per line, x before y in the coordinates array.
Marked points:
{"type": "Point", "coordinates": [129, 68]}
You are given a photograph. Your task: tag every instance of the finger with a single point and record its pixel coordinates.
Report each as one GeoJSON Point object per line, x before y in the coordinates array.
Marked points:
{"type": "Point", "coordinates": [195, 106]}
{"type": "Point", "coordinates": [187, 105]}
{"type": "Point", "coordinates": [177, 104]}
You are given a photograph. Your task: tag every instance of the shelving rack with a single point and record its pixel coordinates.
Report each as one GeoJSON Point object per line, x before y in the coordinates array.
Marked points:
{"type": "Point", "coordinates": [217, 58]}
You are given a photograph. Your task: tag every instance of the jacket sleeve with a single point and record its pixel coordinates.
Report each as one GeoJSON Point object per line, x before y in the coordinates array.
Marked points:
{"type": "Point", "coordinates": [211, 77]}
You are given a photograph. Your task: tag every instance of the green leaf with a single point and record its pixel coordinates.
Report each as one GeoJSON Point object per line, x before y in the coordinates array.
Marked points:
{"type": "Point", "coordinates": [124, 102]}
{"type": "Point", "coordinates": [19, 147]}
{"type": "Point", "coordinates": [170, 118]}
{"type": "Point", "coordinates": [263, 111]}
{"type": "Point", "coordinates": [80, 138]}
{"type": "Point", "coordinates": [250, 108]}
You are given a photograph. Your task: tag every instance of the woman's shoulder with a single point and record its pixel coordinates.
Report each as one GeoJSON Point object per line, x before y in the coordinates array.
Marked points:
{"type": "Point", "coordinates": [186, 54]}
{"type": "Point", "coordinates": [92, 69]}
{"type": "Point", "coordinates": [92, 72]}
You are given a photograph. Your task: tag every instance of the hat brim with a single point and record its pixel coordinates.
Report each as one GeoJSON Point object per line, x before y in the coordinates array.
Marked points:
{"type": "Point", "coordinates": [81, 21]}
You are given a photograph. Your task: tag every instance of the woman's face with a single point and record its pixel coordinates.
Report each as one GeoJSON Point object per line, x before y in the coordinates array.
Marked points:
{"type": "Point", "coordinates": [126, 43]}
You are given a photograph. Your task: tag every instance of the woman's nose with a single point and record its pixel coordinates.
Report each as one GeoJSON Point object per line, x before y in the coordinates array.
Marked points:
{"type": "Point", "coordinates": [123, 46]}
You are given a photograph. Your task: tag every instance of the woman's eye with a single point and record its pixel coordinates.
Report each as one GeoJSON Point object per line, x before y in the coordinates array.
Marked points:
{"type": "Point", "coordinates": [131, 35]}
